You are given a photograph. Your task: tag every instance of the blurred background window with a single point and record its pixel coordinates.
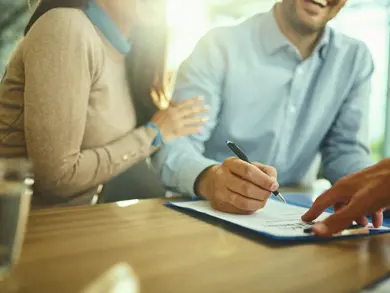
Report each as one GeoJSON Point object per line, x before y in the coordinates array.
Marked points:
{"type": "Point", "coordinates": [366, 20]}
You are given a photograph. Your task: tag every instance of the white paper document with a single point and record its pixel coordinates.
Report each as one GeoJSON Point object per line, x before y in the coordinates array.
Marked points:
{"type": "Point", "coordinates": [276, 218]}
{"type": "Point", "coordinates": [382, 287]}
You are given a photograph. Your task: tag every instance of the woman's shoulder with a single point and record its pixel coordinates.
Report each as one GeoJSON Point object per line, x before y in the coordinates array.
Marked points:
{"type": "Point", "coordinates": [63, 34]}
{"type": "Point", "coordinates": [62, 23]}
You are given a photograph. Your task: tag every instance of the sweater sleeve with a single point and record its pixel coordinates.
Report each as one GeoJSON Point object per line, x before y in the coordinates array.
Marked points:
{"type": "Point", "coordinates": [61, 61]}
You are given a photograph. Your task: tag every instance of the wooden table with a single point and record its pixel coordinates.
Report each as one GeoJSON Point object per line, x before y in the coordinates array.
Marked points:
{"type": "Point", "coordinates": [67, 248]}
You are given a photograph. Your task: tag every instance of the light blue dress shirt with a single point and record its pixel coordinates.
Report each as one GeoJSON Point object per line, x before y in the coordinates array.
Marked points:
{"type": "Point", "coordinates": [281, 110]}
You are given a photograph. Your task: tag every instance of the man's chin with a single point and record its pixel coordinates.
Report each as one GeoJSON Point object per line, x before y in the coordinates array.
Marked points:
{"type": "Point", "coordinates": [311, 27]}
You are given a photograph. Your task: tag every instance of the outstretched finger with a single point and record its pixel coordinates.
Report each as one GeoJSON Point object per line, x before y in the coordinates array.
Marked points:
{"type": "Point", "coordinates": [377, 219]}
{"type": "Point", "coordinates": [340, 220]}
{"type": "Point", "coordinates": [362, 220]}
{"type": "Point", "coordinates": [188, 102]}
{"type": "Point", "coordinates": [190, 130]}
{"type": "Point", "coordinates": [191, 112]}
{"type": "Point", "coordinates": [197, 121]}
{"type": "Point", "coordinates": [323, 202]}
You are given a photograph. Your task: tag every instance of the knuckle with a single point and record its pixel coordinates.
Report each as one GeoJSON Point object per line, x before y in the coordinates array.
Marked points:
{"type": "Point", "coordinates": [265, 195]}
{"type": "Point", "coordinates": [221, 206]}
{"type": "Point", "coordinates": [200, 109]}
{"type": "Point", "coordinates": [246, 205]}
{"type": "Point", "coordinates": [267, 182]}
{"type": "Point", "coordinates": [176, 130]}
{"type": "Point", "coordinates": [194, 110]}
{"type": "Point", "coordinates": [246, 188]}
{"type": "Point", "coordinates": [219, 172]}
{"type": "Point", "coordinates": [170, 113]}
{"type": "Point", "coordinates": [247, 171]}
{"type": "Point", "coordinates": [242, 203]}
{"type": "Point", "coordinates": [343, 182]}
{"type": "Point", "coordinates": [219, 177]}
{"type": "Point", "coordinates": [177, 124]}
{"type": "Point", "coordinates": [273, 170]}
{"type": "Point", "coordinates": [230, 161]}
{"type": "Point", "coordinates": [232, 199]}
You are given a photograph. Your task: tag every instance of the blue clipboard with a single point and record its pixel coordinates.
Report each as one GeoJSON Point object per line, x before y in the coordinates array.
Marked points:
{"type": "Point", "coordinates": [296, 199]}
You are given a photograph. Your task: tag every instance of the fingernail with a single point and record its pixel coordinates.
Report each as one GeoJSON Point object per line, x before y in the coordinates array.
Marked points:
{"type": "Point", "coordinates": [274, 186]}
{"type": "Point", "coordinates": [200, 98]}
{"type": "Point", "coordinates": [320, 228]}
{"type": "Point", "coordinates": [204, 119]}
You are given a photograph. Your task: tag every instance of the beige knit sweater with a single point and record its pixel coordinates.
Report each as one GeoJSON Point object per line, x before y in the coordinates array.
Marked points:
{"type": "Point", "coordinates": [65, 104]}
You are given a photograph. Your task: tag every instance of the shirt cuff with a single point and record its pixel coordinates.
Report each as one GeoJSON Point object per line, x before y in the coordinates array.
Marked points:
{"type": "Point", "coordinates": [158, 140]}
{"type": "Point", "coordinates": [135, 146]}
{"type": "Point", "coordinates": [186, 177]}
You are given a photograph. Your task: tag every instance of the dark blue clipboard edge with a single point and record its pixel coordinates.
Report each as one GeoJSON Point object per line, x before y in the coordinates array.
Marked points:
{"type": "Point", "coordinates": [309, 238]}
{"type": "Point", "coordinates": [378, 282]}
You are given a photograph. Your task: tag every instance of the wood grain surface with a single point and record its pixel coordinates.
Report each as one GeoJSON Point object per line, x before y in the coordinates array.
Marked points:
{"type": "Point", "coordinates": [67, 248]}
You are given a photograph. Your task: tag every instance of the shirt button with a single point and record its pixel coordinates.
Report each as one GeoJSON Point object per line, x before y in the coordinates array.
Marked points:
{"type": "Point", "coordinates": [125, 157]}
{"type": "Point", "coordinates": [300, 71]}
{"type": "Point", "coordinates": [292, 109]}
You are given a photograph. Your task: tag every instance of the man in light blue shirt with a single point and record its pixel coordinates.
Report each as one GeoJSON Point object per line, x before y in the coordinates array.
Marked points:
{"type": "Point", "coordinates": [284, 86]}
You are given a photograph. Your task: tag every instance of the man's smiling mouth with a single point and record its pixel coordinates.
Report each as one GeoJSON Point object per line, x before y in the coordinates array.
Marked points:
{"type": "Point", "coordinates": [321, 3]}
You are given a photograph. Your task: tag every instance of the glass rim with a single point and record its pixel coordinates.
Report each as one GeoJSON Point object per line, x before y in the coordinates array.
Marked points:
{"type": "Point", "coordinates": [21, 166]}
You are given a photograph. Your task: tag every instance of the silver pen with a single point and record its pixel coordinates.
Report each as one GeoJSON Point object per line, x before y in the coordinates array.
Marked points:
{"type": "Point", "coordinates": [240, 154]}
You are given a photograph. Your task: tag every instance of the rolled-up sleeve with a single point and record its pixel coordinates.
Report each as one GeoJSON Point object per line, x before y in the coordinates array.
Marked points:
{"type": "Point", "coordinates": [182, 160]}
{"type": "Point", "coordinates": [346, 149]}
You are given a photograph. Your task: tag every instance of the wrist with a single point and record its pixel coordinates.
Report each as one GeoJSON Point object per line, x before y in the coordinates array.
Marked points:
{"type": "Point", "coordinates": [158, 139]}
{"type": "Point", "coordinates": [204, 184]}
{"type": "Point", "coordinates": [383, 171]}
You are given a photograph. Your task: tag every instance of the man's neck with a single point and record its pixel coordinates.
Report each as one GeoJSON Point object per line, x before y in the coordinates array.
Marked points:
{"type": "Point", "coordinates": [123, 21]}
{"type": "Point", "coordinates": [304, 42]}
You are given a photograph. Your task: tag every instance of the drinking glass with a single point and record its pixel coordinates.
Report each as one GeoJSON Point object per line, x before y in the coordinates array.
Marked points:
{"type": "Point", "coordinates": [16, 182]}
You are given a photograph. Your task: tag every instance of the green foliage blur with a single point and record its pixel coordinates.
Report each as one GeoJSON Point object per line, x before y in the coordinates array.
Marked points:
{"type": "Point", "coordinates": [13, 18]}
{"type": "Point", "coordinates": [377, 150]}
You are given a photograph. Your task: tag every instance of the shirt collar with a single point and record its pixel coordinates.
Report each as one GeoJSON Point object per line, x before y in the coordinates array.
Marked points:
{"type": "Point", "coordinates": [107, 26]}
{"type": "Point", "coordinates": [277, 41]}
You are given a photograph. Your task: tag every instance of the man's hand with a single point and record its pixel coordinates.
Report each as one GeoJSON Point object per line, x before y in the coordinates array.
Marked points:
{"type": "Point", "coordinates": [364, 193]}
{"type": "Point", "coordinates": [237, 187]}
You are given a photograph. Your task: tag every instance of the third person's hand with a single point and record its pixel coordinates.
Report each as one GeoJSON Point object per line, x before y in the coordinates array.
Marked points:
{"type": "Point", "coordinates": [353, 197]}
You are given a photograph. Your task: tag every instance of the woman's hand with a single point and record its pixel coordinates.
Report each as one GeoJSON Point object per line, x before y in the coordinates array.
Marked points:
{"type": "Point", "coordinates": [181, 119]}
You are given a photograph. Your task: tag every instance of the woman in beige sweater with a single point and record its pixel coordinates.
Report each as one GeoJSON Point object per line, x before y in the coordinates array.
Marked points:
{"type": "Point", "coordinates": [77, 96]}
